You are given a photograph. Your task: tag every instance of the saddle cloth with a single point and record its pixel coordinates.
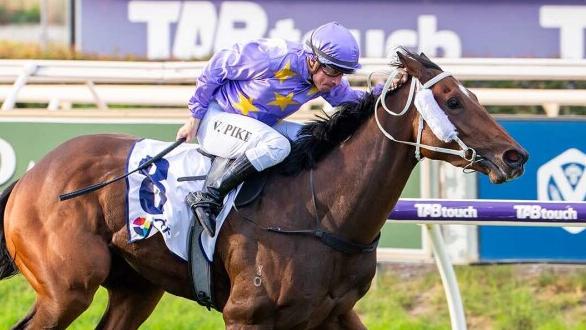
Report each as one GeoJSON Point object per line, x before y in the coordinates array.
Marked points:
{"type": "Point", "coordinates": [155, 200]}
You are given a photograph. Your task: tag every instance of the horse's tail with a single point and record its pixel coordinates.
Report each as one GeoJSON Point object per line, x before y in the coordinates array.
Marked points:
{"type": "Point", "coordinates": [7, 266]}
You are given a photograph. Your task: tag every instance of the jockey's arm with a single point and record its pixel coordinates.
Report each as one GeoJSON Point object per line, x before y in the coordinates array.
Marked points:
{"type": "Point", "coordinates": [241, 62]}
{"type": "Point", "coordinates": [343, 93]}
{"type": "Point", "coordinates": [189, 129]}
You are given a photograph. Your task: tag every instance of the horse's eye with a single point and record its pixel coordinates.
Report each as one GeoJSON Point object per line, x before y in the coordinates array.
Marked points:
{"type": "Point", "coordinates": [453, 103]}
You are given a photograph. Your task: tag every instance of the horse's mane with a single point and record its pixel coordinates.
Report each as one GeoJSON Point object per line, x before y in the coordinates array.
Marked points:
{"type": "Point", "coordinates": [318, 138]}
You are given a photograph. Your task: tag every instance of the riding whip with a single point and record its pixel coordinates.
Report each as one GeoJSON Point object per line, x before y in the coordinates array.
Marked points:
{"type": "Point", "coordinates": [101, 185]}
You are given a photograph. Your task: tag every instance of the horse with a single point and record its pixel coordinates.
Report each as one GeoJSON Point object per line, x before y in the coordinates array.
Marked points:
{"type": "Point", "coordinates": [343, 176]}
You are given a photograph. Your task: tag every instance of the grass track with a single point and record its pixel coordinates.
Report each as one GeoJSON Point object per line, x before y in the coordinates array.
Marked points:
{"type": "Point", "coordinates": [403, 297]}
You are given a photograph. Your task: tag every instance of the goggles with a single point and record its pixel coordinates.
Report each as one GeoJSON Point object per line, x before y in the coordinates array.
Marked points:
{"type": "Point", "coordinates": [331, 71]}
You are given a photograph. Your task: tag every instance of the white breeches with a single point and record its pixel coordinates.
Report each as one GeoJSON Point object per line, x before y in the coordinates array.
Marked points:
{"type": "Point", "coordinates": [231, 135]}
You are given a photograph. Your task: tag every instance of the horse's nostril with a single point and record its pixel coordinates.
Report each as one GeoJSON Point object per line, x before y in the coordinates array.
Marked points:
{"type": "Point", "coordinates": [514, 158]}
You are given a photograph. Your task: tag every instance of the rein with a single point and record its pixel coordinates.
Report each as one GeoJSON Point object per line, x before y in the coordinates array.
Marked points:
{"type": "Point", "coordinates": [341, 244]}
{"type": "Point", "coordinates": [465, 152]}
{"type": "Point", "coordinates": [330, 239]}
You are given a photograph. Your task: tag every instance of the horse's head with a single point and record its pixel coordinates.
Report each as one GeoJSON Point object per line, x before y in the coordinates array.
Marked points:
{"type": "Point", "coordinates": [483, 144]}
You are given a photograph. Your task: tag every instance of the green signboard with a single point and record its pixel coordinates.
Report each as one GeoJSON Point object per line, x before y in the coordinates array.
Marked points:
{"type": "Point", "coordinates": [23, 142]}
{"type": "Point", "coordinates": [406, 236]}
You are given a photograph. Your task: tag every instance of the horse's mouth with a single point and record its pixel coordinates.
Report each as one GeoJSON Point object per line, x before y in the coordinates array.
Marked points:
{"type": "Point", "coordinates": [497, 173]}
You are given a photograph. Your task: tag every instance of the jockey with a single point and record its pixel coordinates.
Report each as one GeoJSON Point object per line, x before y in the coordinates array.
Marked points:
{"type": "Point", "coordinates": [243, 94]}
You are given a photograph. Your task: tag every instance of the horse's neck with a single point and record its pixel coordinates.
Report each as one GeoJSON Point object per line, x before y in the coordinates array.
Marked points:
{"type": "Point", "coordinates": [369, 174]}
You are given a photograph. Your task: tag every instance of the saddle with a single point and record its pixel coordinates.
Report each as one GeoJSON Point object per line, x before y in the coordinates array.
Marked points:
{"type": "Point", "coordinates": [251, 189]}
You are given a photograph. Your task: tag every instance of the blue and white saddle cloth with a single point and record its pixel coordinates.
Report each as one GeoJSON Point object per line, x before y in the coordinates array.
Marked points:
{"type": "Point", "coordinates": [156, 200]}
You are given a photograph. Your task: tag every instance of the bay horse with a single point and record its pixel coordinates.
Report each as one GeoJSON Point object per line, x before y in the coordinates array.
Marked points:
{"type": "Point", "coordinates": [263, 279]}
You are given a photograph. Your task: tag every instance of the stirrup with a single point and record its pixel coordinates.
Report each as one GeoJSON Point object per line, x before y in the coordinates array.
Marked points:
{"type": "Point", "coordinates": [204, 207]}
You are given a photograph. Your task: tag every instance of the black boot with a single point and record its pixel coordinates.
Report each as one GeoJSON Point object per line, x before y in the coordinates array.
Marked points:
{"type": "Point", "coordinates": [207, 204]}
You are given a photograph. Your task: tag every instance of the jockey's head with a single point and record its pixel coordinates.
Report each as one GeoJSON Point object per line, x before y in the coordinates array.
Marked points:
{"type": "Point", "coordinates": [335, 52]}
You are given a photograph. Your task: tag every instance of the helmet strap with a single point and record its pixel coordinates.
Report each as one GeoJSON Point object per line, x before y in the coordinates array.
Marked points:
{"type": "Point", "coordinates": [313, 64]}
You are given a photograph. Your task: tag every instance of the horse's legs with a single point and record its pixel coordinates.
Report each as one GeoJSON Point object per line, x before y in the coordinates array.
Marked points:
{"type": "Point", "coordinates": [349, 320]}
{"type": "Point", "coordinates": [23, 323]}
{"type": "Point", "coordinates": [249, 327]}
{"type": "Point", "coordinates": [63, 293]}
{"type": "Point", "coordinates": [131, 298]}
{"type": "Point", "coordinates": [128, 309]}
{"type": "Point", "coordinates": [64, 267]}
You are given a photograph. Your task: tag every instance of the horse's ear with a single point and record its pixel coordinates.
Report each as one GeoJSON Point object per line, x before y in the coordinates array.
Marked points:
{"type": "Point", "coordinates": [425, 57]}
{"type": "Point", "coordinates": [413, 67]}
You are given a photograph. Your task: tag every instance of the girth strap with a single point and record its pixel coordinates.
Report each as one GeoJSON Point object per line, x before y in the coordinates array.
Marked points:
{"type": "Point", "coordinates": [342, 245]}
{"type": "Point", "coordinates": [335, 242]}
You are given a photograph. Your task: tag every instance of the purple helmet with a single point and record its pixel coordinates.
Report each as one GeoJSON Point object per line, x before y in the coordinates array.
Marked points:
{"type": "Point", "coordinates": [335, 46]}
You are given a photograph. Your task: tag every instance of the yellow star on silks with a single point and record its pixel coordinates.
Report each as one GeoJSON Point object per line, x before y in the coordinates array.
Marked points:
{"type": "Point", "coordinates": [285, 73]}
{"type": "Point", "coordinates": [312, 90]}
{"type": "Point", "coordinates": [245, 105]}
{"type": "Point", "coordinates": [283, 101]}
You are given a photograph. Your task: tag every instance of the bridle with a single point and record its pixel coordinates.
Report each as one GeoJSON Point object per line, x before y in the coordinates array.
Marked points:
{"type": "Point", "coordinates": [465, 152]}
{"type": "Point", "coordinates": [339, 243]}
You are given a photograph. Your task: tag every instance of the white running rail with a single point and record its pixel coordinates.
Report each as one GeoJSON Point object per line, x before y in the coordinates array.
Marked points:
{"type": "Point", "coordinates": [100, 82]}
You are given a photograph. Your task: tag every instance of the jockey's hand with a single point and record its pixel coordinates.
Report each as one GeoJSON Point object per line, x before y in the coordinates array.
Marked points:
{"type": "Point", "coordinates": [188, 130]}
{"type": "Point", "coordinates": [400, 78]}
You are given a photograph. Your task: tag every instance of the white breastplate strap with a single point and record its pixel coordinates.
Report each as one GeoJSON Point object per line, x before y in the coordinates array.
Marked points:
{"type": "Point", "coordinates": [438, 120]}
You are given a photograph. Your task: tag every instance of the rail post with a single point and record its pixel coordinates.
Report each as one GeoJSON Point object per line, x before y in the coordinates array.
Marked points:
{"type": "Point", "coordinates": [19, 83]}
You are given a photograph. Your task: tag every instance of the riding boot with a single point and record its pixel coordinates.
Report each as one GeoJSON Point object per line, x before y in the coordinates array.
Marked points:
{"type": "Point", "coordinates": [207, 204]}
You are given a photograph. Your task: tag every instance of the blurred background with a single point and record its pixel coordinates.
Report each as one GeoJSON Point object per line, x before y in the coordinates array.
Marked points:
{"type": "Point", "coordinates": [24, 21]}
{"type": "Point", "coordinates": [73, 67]}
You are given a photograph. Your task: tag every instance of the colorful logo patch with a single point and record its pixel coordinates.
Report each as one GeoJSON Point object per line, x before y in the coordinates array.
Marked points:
{"type": "Point", "coordinates": [142, 226]}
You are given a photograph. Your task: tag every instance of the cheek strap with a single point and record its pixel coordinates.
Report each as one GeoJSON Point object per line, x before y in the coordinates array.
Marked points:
{"type": "Point", "coordinates": [430, 112]}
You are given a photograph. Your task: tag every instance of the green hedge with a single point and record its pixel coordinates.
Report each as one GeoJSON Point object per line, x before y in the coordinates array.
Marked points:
{"type": "Point", "coordinates": [20, 50]}
{"type": "Point", "coordinates": [20, 16]}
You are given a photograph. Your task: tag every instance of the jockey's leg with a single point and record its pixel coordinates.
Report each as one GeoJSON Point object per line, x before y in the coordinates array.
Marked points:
{"type": "Point", "coordinates": [196, 199]}
{"type": "Point", "coordinates": [207, 203]}
{"type": "Point", "coordinates": [288, 129]}
{"type": "Point", "coordinates": [254, 145]}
